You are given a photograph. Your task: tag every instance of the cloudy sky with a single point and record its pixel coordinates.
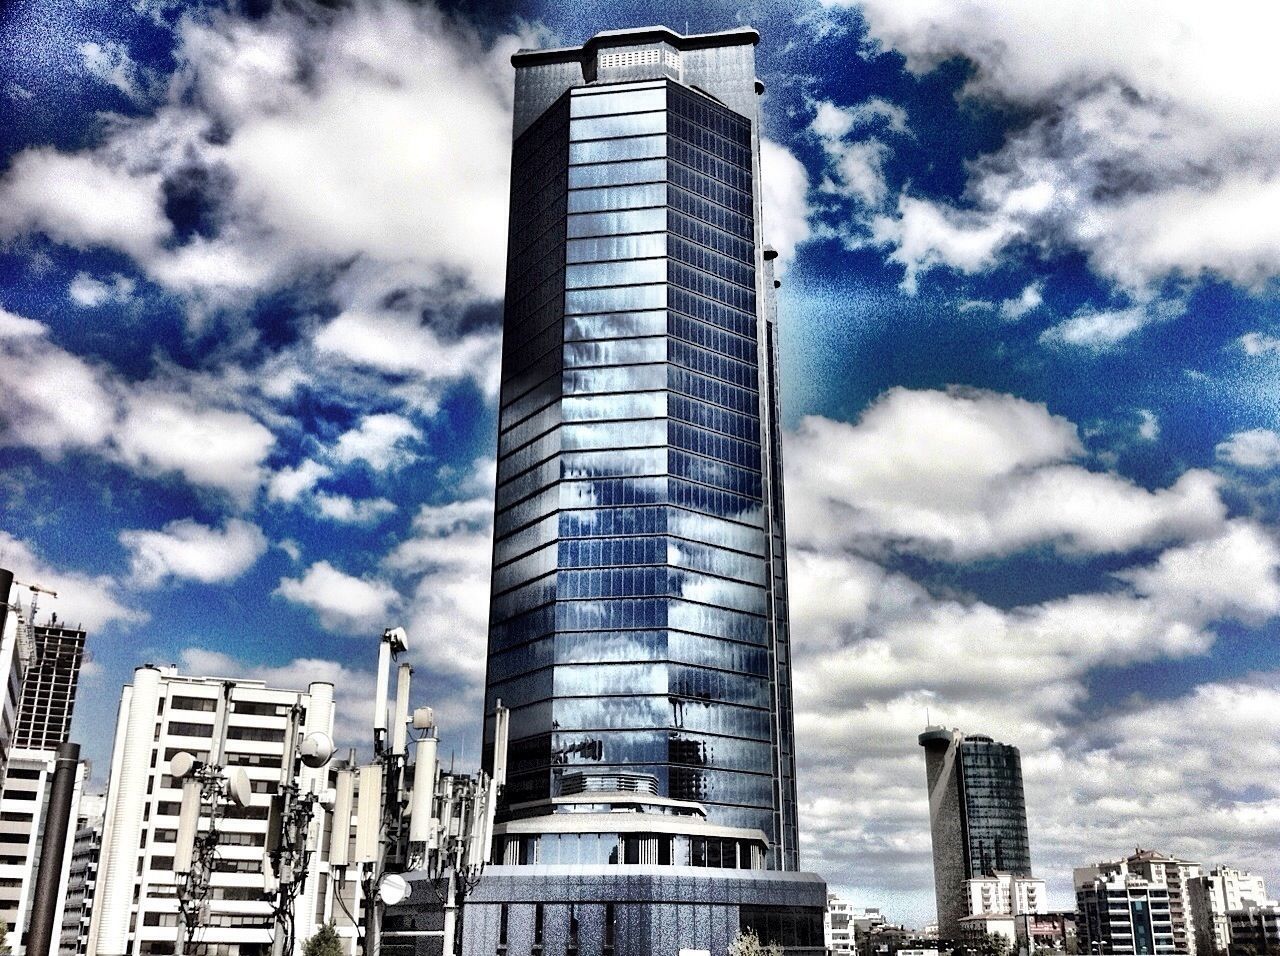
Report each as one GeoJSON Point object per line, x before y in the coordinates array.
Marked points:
{"type": "Point", "coordinates": [250, 261]}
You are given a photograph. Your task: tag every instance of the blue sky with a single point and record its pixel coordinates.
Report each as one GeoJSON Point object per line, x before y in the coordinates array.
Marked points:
{"type": "Point", "coordinates": [250, 268]}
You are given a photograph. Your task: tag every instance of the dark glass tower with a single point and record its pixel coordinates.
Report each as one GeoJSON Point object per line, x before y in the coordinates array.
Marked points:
{"type": "Point", "coordinates": [639, 619]}
{"type": "Point", "coordinates": [977, 813]}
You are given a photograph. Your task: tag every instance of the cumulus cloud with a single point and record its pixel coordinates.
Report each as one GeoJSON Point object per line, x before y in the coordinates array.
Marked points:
{"type": "Point", "coordinates": [381, 441]}
{"type": "Point", "coordinates": [1030, 299]}
{"type": "Point", "coordinates": [1149, 145]}
{"type": "Point", "coordinates": [109, 62]}
{"type": "Point", "coordinates": [348, 510]}
{"type": "Point", "coordinates": [188, 550]}
{"type": "Point", "coordinates": [1255, 448]}
{"type": "Point", "coordinates": [341, 602]}
{"type": "Point", "coordinates": [855, 160]}
{"type": "Point", "coordinates": [289, 484]}
{"type": "Point", "coordinates": [1259, 343]}
{"type": "Point", "coordinates": [785, 193]}
{"type": "Point", "coordinates": [92, 600]}
{"type": "Point", "coordinates": [968, 473]}
{"type": "Point", "coordinates": [89, 293]}
{"type": "Point", "coordinates": [59, 402]}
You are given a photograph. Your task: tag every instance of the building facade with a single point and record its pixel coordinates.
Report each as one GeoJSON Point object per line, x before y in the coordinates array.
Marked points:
{"type": "Point", "coordinates": [1255, 928]}
{"type": "Point", "coordinates": [977, 818]}
{"type": "Point", "coordinates": [844, 922]}
{"type": "Point", "coordinates": [1176, 876]}
{"type": "Point", "coordinates": [82, 876]}
{"type": "Point", "coordinates": [1119, 913]}
{"type": "Point", "coordinates": [1213, 897]}
{"type": "Point", "coordinates": [49, 685]}
{"type": "Point", "coordinates": [639, 624]}
{"type": "Point", "coordinates": [15, 657]}
{"type": "Point", "coordinates": [228, 723]}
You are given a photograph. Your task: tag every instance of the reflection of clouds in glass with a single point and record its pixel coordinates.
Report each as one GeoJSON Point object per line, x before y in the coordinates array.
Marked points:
{"type": "Point", "coordinates": [614, 352]}
{"type": "Point", "coordinates": [595, 464]}
{"type": "Point", "coordinates": [608, 407]}
{"type": "Point", "coordinates": [614, 434]}
{"type": "Point", "coordinates": [631, 378]}
{"type": "Point", "coordinates": [580, 680]}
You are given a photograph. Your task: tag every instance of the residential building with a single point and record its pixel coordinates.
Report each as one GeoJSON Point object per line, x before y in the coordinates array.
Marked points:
{"type": "Point", "coordinates": [639, 623]}
{"type": "Point", "coordinates": [1213, 897]}
{"type": "Point", "coordinates": [1255, 928]}
{"type": "Point", "coordinates": [82, 876]}
{"type": "Point", "coordinates": [24, 807]}
{"type": "Point", "coordinates": [1177, 876]}
{"type": "Point", "coordinates": [1054, 930]}
{"type": "Point", "coordinates": [977, 817]}
{"type": "Point", "coordinates": [843, 923]}
{"type": "Point", "coordinates": [882, 939]}
{"type": "Point", "coordinates": [15, 657]}
{"type": "Point", "coordinates": [1003, 894]}
{"type": "Point", "coordinates": [1119, 913]}
{"type": "Point", "coordinates": [222, 722]}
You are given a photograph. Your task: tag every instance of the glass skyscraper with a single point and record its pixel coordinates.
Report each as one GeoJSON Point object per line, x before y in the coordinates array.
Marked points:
{"type": "Point", "coordinates": [639, 619]}
{"type": "Point", "coordinates": [978, 815]}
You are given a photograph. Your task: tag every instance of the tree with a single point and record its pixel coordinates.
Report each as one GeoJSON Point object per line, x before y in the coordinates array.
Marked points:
{"type": "Point", "coordinates": [326, 942]}
{"type": "Point", "coordinates": [748, 944]}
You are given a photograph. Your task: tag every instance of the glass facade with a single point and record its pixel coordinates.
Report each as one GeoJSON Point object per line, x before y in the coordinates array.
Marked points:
{"type": "Point", "coordinates": [995, 809]}
{"type": "Point", "coordinates": [639, 616]}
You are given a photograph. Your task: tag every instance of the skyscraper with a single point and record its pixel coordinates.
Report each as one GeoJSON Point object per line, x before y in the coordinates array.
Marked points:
{"type": "Point", "coordinates": [639, 628]}
{"type": "Point", "coordinates": [977, 815]}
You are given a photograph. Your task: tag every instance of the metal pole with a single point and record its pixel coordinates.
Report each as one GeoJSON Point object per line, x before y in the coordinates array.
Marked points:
{"type": "Point", "coordinates": [49, 878]}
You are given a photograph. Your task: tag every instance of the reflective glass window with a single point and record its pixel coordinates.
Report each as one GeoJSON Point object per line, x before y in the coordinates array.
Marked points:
{"type": "Point", "coordinates": [607, 127]}
{"type": "Point", "coordinates": [617, 223]}
{"type": "Point", "coordinates": [627, 272]}
{"type": "Point", "coordinates": [618, 174]}
{"type": "Point", "coordinates": [607, 248]}
{"type": "Point", "coordinates": [614, 352]}
{"type": "Point", "coordinates": [614, 150]}
{"type": "Point", "coordinates": [624, 299]}
{"type": "Point", "coordinates": [618, 197]}
{"type": "Point", "coordinates": [631, 101]}
{"type": "Point", "coordinates": [615, 325]}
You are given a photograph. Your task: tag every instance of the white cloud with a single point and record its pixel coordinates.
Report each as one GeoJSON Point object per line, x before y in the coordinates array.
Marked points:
{"type": "Point", "coordinates": [382, 441]}
{"type": "Point", "coordinates": [92, 600]}
{"type": "Point", "coordinates": [289, 484]}
{"type": "Point", "coordinates": [1259, 343]}
{"type": "Point", "coordinates": [785, 193]}
{"type": "Point", "coordinates": [89, 293]}
{"type": "Point", "coordinates": [855, 161]}
{"type": "Point", "coordinates": [188, 550]}
{"type": "Point", "coordinates": [1148, 425]}
{"type": "Point", "coordinates": [967, 473]}
{"type": "Point", "coordinates": [342, 602]}
{"type": "Point", "coordinates": [1103, 331]}
{"type": "Point", "coordinates": [110, 63]}
{"type": "Point", "coordinates": [1030, 299]}
{"type": "Point", "coordinates": [1150, 139]}
{"type": "Point", "coordinates": [1255, 448]}
{"type": "Point", "coordinates": [347, 510]}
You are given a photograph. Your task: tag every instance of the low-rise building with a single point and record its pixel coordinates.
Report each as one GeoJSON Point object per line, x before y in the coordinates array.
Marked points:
{"type": "Point", "coordinates": [843, 923]}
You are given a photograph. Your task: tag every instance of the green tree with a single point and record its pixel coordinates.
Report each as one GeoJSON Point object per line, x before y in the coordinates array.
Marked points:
{"type": "Point", "coordinates": [994, 944]}
{"type": "Point", "coordinates": [748, 944]}
{"type": "Point", "coordinates": [326, 942]}
{"type": "Point", "coordinates": [4, 939]}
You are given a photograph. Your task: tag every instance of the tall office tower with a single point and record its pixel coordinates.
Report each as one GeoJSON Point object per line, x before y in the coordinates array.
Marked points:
{"type": "Point", "coordinates": [1119, 913]}
{"type": "Point", "coordinates": [1213, 897]}
{"type": "Point", "coordinates": [639, 621]}
{"type": "Point", "coordinates": [82, 876]}
{"type": "Point", "coordinates": [49, 687]}
{"type": "Point", "coordinates": [977, 815]}
{"type": "Point", "coordinates": [135, 908]}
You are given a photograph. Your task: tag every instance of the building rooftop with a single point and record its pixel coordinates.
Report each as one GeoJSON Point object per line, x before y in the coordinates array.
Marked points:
{"type": "Point", "coordinates": [611, 38]}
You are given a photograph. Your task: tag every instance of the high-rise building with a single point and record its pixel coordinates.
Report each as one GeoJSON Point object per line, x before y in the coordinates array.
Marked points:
{"type": "Point", "coordinates": [1213, 897]}
{"type": "Point", "coordinates": [1177, 875]}
{"type": "Point", "coordinates": [229, 723]}
{"type": "Point", "coordinates": [49, 687]}
{"type": "Point", "coordinates": [639, 625]}
{"type": "Point", "coordinates": [1119, 913]}
{"type": "Point", "coordinates": [82, 876]}
{"type": "Point", "coordinates": [977, 817]}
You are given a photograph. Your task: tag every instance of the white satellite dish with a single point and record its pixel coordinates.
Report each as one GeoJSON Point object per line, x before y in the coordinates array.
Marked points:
{"type": "Point", "coordinates": [182, 764]}
{"type": "Point", "coordinates": [239, 789]}
{"type": "Point", "coordinates": [394, 889]}
{"type": "Point", "coordinates": [316, 749]}
{"type": "Point", "coordinates": [424, 718]}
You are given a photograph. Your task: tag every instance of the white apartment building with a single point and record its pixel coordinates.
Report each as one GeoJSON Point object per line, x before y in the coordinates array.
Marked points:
{"type": "Point", "coordinates": [82, 876]}
{"type": "Point", "coordinates": [843, 922]}
{"type": "Point", "coordinates": [1119, 913]}
{"type": "Point", "coordinates": [24, 804]}
{"type": "Point", "coordinates": [1004, 894]}
{"type": "Point", "coordinates": [1213, 897]}
{"type": "Point", "coordinates": [135, 912]}
{"type": "Point", "coordinates": [1177, 875]}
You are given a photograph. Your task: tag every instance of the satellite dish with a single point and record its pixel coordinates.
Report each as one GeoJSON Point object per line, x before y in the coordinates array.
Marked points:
{"type": "Point", "coordinates": [328, 797]}
{"type": "Point", "coordinates": [424, 718]}
{"type": "Point", "coordinates": [394, 889]}
{"type": "Point", "coordinates": [182, 764]}
{"type": "Point", "coordinates": [316, 749]}
{"type": "Point", "coordinates": [239, 789]}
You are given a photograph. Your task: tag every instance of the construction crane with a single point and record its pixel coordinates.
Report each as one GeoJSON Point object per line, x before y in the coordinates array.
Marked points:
{"type": "Point", "coordinates": [36, 590]}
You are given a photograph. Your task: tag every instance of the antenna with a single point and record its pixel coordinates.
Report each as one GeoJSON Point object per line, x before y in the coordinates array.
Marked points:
{"type": "Point", "coordinates": [400, 729]}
